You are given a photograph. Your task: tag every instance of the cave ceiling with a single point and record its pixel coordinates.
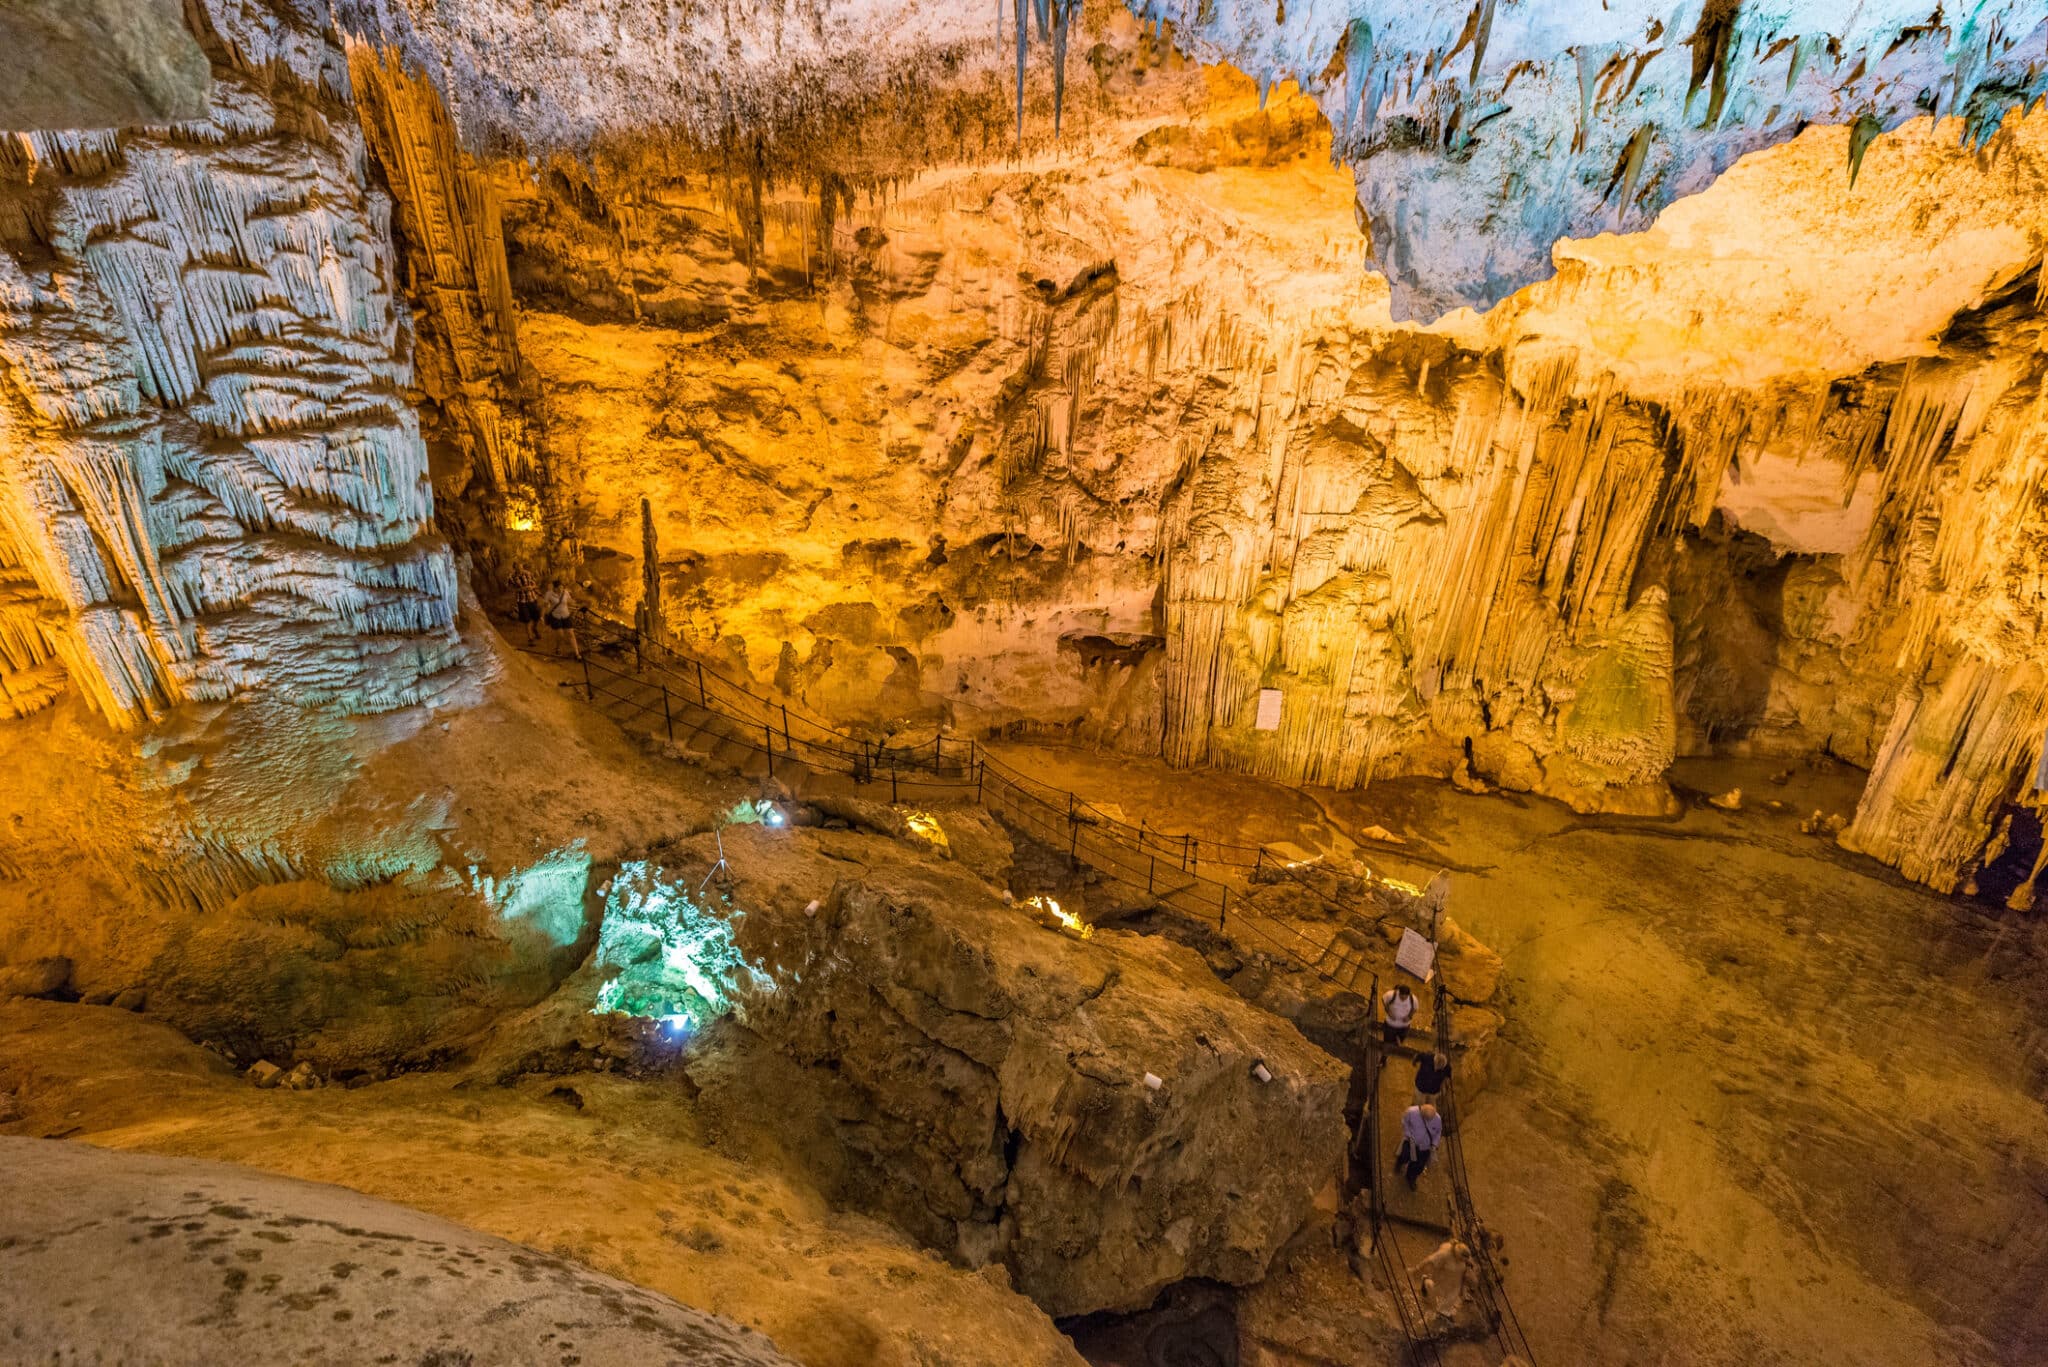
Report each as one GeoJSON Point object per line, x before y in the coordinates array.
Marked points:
{"type": "Point", "coordinates": [1479, 132]}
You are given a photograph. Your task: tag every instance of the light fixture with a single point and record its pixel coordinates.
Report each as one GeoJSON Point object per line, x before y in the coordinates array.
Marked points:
{"type": "Point", "coordinates": [772, 816]}
{"type": "Point", "coordinates": [1260, 1071]}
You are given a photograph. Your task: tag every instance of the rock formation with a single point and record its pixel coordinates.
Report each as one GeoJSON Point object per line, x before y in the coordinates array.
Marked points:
{"type": "Point", "coordinates": [98, 64]}
{"type": "Point", "coordinates": [1480, 133]}
{"type": "Point", "coordinates": [1084, 1113]}
{"type": "Point", "coordinates": [211, 482]}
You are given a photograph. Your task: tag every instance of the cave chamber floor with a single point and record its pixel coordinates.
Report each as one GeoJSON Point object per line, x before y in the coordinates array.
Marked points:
{"type": "Point", "coordinates": [1758, 1100]}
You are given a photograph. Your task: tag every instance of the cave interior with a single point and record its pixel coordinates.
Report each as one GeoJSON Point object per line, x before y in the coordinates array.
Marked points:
{"type": "Point", "coordinates": [876, 682]}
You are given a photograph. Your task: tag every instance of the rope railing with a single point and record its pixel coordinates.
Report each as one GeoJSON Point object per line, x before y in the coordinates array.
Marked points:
{"type": "Point", "coordinates": [1493, 1295]}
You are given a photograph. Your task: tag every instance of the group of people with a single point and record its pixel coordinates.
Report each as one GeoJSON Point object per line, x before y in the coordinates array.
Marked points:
{"type": "Point", "coordinates": [558, 610]}
{"type": "Point", "coordinates": [1422, 1127]}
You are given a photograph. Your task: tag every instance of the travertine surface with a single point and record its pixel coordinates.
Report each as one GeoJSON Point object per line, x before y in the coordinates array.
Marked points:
{"type": "Point", "coordinates": [121, 1258]}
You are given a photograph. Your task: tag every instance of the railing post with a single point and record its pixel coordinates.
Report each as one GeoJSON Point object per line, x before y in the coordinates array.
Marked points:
{"type": "Point", "coordinates": [1260, 861]}
{"type": "Point", "coordinates": [1223, 913]}
{"type": "Point", "coordinates": [938, 753]}
{"type": "Point", "coordinates": [639, 662]}
{"type": "Point", "coordinates": [1151, 872]}
{"type": "Point", "coordinates": [785, 730]}
{"type": "Point", "coordinates": [589, 690]}
{"type": "Point", "coordinates": [1193, 854]}
{"type": "Point", "coordinates": [1073, 835]}
{"type": "Point", "coordinates": [892, 780]}
{"type": "Point", "coordinates": [703, 699]}
{"type": "Point", "coordinates": [768, 734]}
{"type": "Point", "coordinates": [667, 720]}
{"type": "Point", "coordinates": [978, 766]}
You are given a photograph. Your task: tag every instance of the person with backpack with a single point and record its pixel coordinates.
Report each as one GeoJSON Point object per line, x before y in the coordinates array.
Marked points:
{"type": "Point", "coordinates": [1397, 1008]}
{"type": "Point", "coordinates": [526, 601]}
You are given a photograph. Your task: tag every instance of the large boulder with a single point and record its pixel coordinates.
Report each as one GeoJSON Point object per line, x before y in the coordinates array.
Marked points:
{"type": "Point", "coordinates": [1085, 1112]}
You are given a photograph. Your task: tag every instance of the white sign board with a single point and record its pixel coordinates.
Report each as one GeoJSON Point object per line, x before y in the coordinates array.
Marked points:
{"type": "Point", "coordinates": [1416, 954]}
{"type": "Point", "coordinates": [1269, 710]}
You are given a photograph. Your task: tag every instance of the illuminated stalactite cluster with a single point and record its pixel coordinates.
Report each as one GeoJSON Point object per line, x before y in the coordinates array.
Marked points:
{"type": "Point", "coordinates": [1121, 439]}
{"type": "Point", "coordinates": [1125, 449]}
{"type": "Point", "coordinates": [1481, 132]}
{"type": "Point", "coordinates": [211, 482]}
{"type": "Point", "coordinates": [454, 252]}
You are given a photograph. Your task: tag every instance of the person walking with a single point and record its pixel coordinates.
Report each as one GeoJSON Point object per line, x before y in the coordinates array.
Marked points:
{"type": "Point", "coordinates": [1443, 1276]}
{"type": "Point", "coordinates": [1397, 1007]}
{"type": "Point", "coordinates": [1421, 1131]}
{"type": "Point", "coordinates": [526, 601]}
{"type": "Point", "coordinates": [561, 614]}
{"type": "Point", "coordinates": [1432, 1073]}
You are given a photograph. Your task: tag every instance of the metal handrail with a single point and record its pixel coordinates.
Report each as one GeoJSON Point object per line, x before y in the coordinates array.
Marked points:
{"type": "Point", "coordinates": [1111, 855]}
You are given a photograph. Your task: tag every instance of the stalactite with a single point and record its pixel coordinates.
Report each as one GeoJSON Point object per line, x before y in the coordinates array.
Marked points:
{"type": "Point", "coordinates": [450, 216]}
{"type": "Point", "coordinates": [208, 473]}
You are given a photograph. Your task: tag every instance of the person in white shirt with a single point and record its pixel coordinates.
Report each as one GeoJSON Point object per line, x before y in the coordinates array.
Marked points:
{"type": "Point", "coordinates": [1443, 1275]}
{"type": "Point", "coordinates": [1421, 1131]}
{"type": "Point", "coordinates": [561, 615]}
{"type": "Point", "coordinates": [1397, 1008]}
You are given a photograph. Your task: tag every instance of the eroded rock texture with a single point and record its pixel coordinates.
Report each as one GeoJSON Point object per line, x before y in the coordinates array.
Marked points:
{"type": "Point", "coordinates": [211, 481]}
{"type": "Point", "coordinates": [998, 1072]}
{"type": "Point", "coordinates": [98, 64]}
{"type": "Point", "coordinates": [108, 1251]}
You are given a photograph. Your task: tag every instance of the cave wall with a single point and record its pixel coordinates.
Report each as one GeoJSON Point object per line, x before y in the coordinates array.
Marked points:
{"type": "Point", "coordinates": [1110, 443]}
{"type": "Point", "coordinates": [1108, 438]}
{"type": "Point", "coordinates": [212, 482]}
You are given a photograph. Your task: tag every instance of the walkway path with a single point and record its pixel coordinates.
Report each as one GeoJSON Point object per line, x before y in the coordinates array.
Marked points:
{"type": "Point", "coordinates": [1712, 1135]}
{"type": "Point", "coordinates": [682, 702]}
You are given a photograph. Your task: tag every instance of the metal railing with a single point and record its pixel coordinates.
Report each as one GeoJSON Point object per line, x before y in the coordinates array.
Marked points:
{"type": "Point", "coordinates": [690, 702]}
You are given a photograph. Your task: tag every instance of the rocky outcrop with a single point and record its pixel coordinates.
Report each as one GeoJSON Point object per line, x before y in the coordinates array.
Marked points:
{"type": "Point", "coordinates": [211, 483]}
{"type": "Point", "coordinates": [1083, 1112]}
{"type": "Point", "coordinates": [103, 1251]}
{"type": "Point", "coordinates": [98, 64]}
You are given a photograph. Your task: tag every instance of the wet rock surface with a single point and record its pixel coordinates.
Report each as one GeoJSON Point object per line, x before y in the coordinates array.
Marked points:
{"type": "Point", "coordinates": [132, 1258]}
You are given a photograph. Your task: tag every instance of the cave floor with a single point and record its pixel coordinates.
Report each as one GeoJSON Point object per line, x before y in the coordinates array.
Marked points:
{"type": "Point", "coordinates": [1758, 1100]}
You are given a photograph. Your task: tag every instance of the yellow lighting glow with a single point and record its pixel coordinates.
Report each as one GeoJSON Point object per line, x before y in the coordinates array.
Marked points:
{"type": "Point", "coordinates": [522, 511]}
{"type": "Point", "coordinates": [1056, 914]}
{"type": "Point", "coordinates": [926, 827]}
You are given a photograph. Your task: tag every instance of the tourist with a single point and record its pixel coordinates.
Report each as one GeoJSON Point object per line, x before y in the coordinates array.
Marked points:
{"type": "Point", "coordinates": [526, 602]}
{"type": "Point", "coordinates": [1432, 1072]}
{"type": "Point", "coordinates": [1442, 1276]}
{"type": "Point", "coordinates": [561, 612]}
{"type": "Point", "coordinates": [1398, 1005]}
{"type": "Point", "coordinates": [1421, 1131]}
